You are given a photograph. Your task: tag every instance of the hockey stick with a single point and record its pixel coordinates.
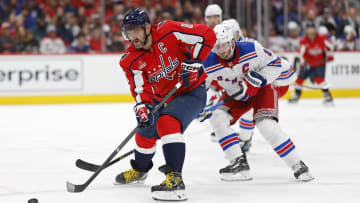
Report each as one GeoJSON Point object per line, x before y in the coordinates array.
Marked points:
{"type": "Point", "coordinates": [207, 111]}
{"type": "Point", "coordinates": [79, 188]}
{"type": "Point", "coordinates": [93, 167]}
{"type": "Point", "coordinates": [326, 86]}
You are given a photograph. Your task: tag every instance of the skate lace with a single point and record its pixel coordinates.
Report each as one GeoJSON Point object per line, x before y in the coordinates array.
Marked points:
{"type": "Point", "coordinates": [131, 175]}
{"type": "Point", "coordinates": [171, 180]}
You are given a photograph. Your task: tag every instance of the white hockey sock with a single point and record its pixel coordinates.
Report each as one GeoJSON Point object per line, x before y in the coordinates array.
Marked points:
{"type": "Point", "coordinates": [247, 125]}
{"type": "Point", "coordinates": [228, 140]}
{"type": "Point", "coordinates": [280, 142]}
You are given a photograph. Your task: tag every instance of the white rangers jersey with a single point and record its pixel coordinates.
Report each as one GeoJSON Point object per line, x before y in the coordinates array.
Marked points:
{"type": "Point", "coordinates": [249, 56]}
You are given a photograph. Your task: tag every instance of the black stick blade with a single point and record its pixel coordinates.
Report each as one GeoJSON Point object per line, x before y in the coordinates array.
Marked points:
{"type": "Point", "coordinates": [74, 188]}
{"type": "Point", "coordinates": [86, 165]}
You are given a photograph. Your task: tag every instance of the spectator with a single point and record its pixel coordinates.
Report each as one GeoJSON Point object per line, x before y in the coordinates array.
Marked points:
{"type": "Point", "coordinates": [52, 44]}
{"type": "Point", "coordinates": [39, 30]}
{"type": "Point", "coordinates": [7, 44]}
{"type": "Point", "coordinates": [34, 11]}
{"type": "Point", "coordinates": [324, 31]}
{"type": "Point", "coordinates": [24, 41]}
{"type": "Point", "coordinates": [348, 18]}
{"type": "Point", "coordinates": [95, 40]}
{"type": "Point", "coordinates": [64, 29]}
{"type": "Point", "coordinates": [310, 18]}
{"type": "Point", "coordinates": [116, 43]}
{"type": "Point", "coordinates": [349, 41]}
{"type": "Point", "coordinates": [276, 42]}
{"type": "Point", "coordinates": [80, 44]}
{"type": "Point", "coordinates": [293, 39]}
{"type": "Point", "coordinates": [326, 20]}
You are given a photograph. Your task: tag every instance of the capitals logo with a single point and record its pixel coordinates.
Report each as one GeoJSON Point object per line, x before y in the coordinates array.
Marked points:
{"type": "Point", "coordinates": [165, 71]}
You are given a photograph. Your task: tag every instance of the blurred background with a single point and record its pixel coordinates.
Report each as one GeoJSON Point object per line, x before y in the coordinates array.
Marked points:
{"type": "Point", "coordinates": [66, 51]}
{"type": "Point", "coordinates": [95, 25]}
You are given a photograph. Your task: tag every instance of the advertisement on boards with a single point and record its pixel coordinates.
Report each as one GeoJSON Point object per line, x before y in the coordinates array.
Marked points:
{"type": "Point", "coordinates": [41, 75]}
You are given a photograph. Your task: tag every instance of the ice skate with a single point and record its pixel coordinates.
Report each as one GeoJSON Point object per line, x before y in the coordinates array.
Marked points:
{"type": "Point", "coordinates": [294, 99]}
{"type": "Point", "coordinates": [237, 170]}
{"type": "Point", "coordinates": [133, 175]}
{"type": "Point", "coordinates": [328, 100]}
{"type": "Point", "coordinates": [301, 172]}
{"type": "Point", "coordinates": [130, 176]}
{"type": "Point", "coordinates": [172, 188]}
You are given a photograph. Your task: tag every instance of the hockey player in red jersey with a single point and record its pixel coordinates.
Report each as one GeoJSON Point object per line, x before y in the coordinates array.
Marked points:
{"type": "Point", "coordinates": [159, 57]}
{"type": "Point", "coordinates": [315, 51]}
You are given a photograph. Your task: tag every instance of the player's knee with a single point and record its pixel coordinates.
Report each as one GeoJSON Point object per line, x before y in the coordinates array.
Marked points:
{"type": "Point", "coordinates": [319, 80]}
{"type": "Point", "coordinates": [219, 119]}
{"type": "Point", "coordinates": [145, 145]}
{"type": "Point", "coordinates": [268, 127]}
{"type": "Point", "coordinates": [169, 129]}
{"type": "Point", "coordinates": [167, 124]}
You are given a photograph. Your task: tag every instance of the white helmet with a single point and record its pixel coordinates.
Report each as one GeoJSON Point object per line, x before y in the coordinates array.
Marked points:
{"type": "Point", "coordinates": [224, 39]}
{"type": "Point", "coordinates": [348, 29]}
{"type": "Point", "coordinates": [293, 26]}
{"type": "Point", "coordinates": [234, 25]}
{"type": "Point", "coordinates": [213, 10]}
{"type": "Point", "coordinates": [223, 34]}
{"type": "Point", "coordinates": [323, 30]}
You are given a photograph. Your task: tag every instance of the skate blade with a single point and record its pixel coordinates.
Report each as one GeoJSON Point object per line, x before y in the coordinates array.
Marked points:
{"type": "Point", "coordinates": [241, 176]}
{"type": "Point", "coordinates": [306, 177]}
{"type": "Point", "coordinates": [132, 183]}
{"type": "Point", "coordinates": [178, 195]}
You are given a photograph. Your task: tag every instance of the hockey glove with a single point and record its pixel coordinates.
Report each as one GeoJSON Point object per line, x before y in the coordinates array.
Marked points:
{"type": "Point", "coordinates": [243, 96]}
{"type": "Point", "coordinates": [143, 114]}
{"type": "Point", "coordinates": [254, 81]}
{"type": "Point", "coordinates": [190, 71]}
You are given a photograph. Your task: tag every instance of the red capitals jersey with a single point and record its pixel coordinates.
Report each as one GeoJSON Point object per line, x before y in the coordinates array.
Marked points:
{"type": "Point", "coordinates": [153, 73]}
{"type": "Point", "coordinates": [314, 52]}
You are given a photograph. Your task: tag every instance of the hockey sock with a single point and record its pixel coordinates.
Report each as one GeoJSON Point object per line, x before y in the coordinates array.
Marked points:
{"type": "Point", "coordinates": [280, 142]}
{"type": "Point", "coordinates": [144, 152]}
{"type": "Point", "coordinates": [247, 125]}
{"type": "Point", "coordinates": [228, 140]}
{"type": "Point", "coordinates": [169, 130]}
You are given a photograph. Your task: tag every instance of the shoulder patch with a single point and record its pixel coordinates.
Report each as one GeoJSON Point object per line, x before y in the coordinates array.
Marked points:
{"type": "Point", "coordinates": [160, 24]}
{"type": "Point", "coordinates": [245, 47]}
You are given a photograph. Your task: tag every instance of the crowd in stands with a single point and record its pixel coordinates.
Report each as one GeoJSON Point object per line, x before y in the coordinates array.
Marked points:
{"type": "Point", "coordinates": [339, 20]}
{"type": "Point", "coordinates": [75, 26]}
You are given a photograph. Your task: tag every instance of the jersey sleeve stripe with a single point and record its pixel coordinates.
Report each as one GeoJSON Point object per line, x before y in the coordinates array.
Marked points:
{"type": "Point", "coordinates": [286, 74]}
{"type": "Point", "coordinates": [138, 84]}
{"type": "Point", "coordinates": [276, 62]}
{"type": "Point", "coordinates": [247, 57]}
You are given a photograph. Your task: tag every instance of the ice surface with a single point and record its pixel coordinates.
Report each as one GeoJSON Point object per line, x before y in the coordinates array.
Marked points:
{"type": "Point", "coordinates": [40, 143]}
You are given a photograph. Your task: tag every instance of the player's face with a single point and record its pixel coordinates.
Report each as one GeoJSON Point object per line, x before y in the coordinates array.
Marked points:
{"type": "Point", "coordinates": [310, 32]}
{"type": "Point", "coordinates": [223, 50]}
{"type": "Point", "coordinates": [212, 21]}
{"type": "Point", "coordinates": [136, 36]}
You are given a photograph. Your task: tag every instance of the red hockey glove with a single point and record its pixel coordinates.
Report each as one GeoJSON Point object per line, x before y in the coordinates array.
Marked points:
{"type": "Point", "coordinates": [143, 114]}
{"type": "Point", "coordinates": [190, 71]}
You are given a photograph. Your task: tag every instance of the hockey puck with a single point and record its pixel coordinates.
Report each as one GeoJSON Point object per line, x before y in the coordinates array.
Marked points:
{"type": "Point", "coordinates": [33, 200]}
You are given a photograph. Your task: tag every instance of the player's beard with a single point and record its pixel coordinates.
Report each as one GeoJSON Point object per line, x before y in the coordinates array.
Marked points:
{"type": "Point", "coordinates": [226, 55]}
{"type": "Point", "coordinates": [137, 43]}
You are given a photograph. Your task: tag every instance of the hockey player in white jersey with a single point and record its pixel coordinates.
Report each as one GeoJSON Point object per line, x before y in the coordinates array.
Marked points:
{"type": "Point", "coordinates": [246, 122]}
{"type": "Point", "coordinates": [262, 77]}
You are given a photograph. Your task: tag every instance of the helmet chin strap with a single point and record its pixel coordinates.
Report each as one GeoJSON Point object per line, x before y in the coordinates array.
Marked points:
{"type": "Point", "coordinates": [146, 36]}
